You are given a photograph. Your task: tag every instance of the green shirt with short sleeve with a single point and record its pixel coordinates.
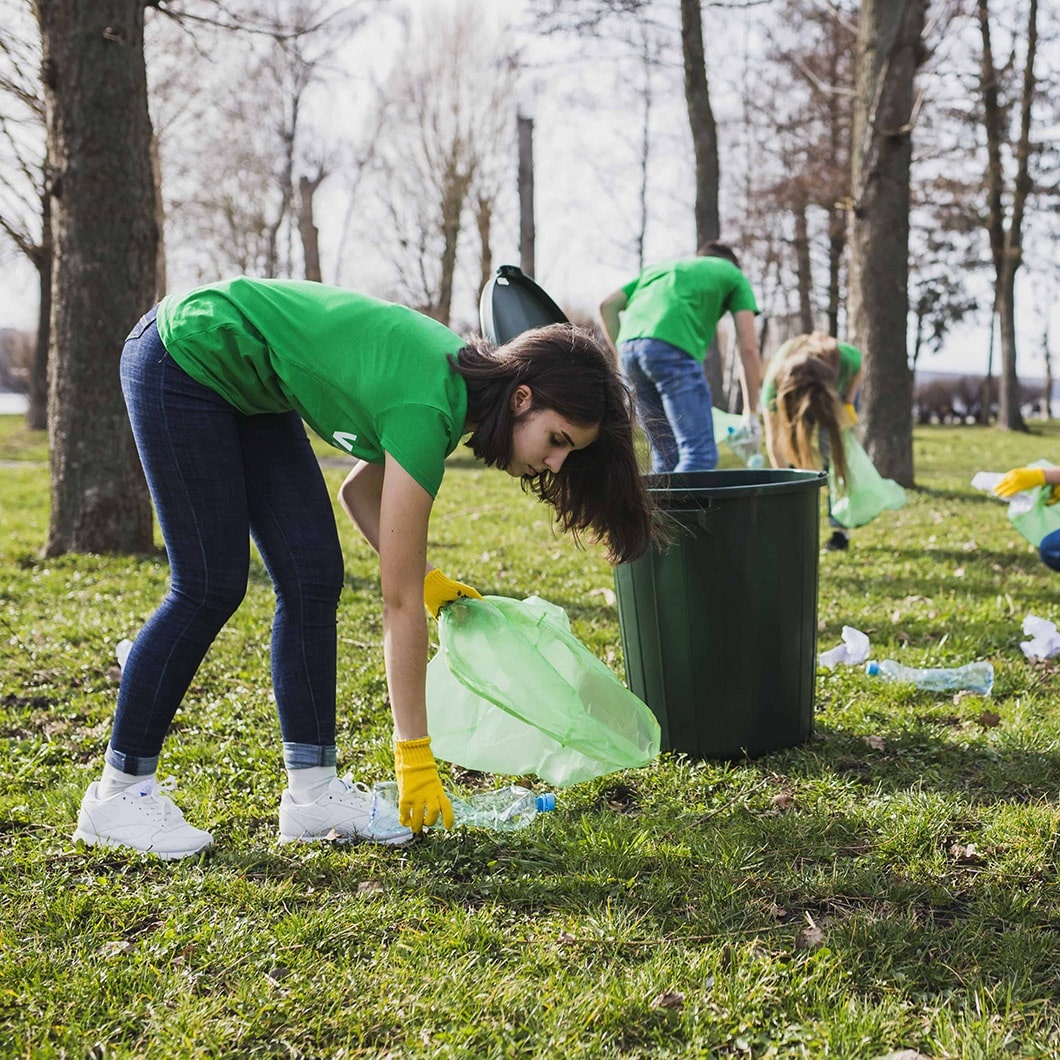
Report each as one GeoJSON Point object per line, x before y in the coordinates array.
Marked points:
{"type": "Point", "coordinates": [681, 302]}
{"type": "Point", "coordinates": [849, 366]}
{"type": "Point", "coordinates": [370, 377]}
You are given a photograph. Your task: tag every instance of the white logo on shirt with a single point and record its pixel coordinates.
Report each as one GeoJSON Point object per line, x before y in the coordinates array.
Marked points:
{"type": "Point", "coordinates": [345, 439]}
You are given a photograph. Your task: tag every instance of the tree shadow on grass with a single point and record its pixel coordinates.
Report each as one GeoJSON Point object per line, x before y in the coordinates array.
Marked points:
{"type": "Point", "coordinates": [923, 760]}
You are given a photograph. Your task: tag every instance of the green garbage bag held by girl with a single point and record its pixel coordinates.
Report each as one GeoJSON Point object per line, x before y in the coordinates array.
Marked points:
{"type": "Point", "coordinates": [864, 493]}
{"type": "Point", "coordinates": [512, 690]}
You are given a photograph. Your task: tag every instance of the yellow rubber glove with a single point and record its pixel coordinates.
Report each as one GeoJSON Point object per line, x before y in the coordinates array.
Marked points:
{"type": "Point", "coordinates": [852, 412]}
{"type": "Point", "coordinates": [1020, 479]}
{"type": "Point", "coordinates": [438, 590]}
{"type": "Point", "coordinates": [421, 798]}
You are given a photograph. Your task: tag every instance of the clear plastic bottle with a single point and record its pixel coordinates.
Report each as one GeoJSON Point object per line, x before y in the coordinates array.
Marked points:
{"type": "Point", "coordinates": [745, 446]}
{"type": "Point", "coordinates": [503, 810]}
{"type": "Point", "coordinates": [973, 677]}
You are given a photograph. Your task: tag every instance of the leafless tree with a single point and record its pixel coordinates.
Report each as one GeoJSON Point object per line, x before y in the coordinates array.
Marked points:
{"type": "Point", "coordinates": [450, 114]}
{"type": "Point", "coordinates": [105, 237]}
{"type": "Point", "coordinates": [242, 155]}
{"type": "Point", "coordinates": [24, 202]}
{"type": "Point", "coordinates": [1005, 226]}
{"type": "Point", "coordinates": [889, 50]}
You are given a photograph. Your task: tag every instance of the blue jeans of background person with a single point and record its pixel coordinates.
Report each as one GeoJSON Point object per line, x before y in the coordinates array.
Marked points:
{"type": "Point", "coordinates": [1049, 550]}
{"type": "Point", "coordinates": [674, 405]}
{"type": "Point", "coordinates": [218, 477]}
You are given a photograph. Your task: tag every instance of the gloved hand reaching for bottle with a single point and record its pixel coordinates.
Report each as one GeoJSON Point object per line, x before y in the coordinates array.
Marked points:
{"type": "Point", "coordinates": [421, 798]}
{"type": "Point", "coordinates": [438, 590]}
{"type": "Point", "coordinates": [752, 425]}
{"type": "Point", "coordinates": [1021, 479]}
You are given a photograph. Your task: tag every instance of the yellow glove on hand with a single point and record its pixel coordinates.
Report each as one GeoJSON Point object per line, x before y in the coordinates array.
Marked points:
{"type": "Point", "coordinates": [421, 798]}
{"type": "Point", "coordinates": [1018, 480]}
{"type": "Point", "coordinates": [851, 412]}
{"type": "Point", "coordinates": [438, 590]}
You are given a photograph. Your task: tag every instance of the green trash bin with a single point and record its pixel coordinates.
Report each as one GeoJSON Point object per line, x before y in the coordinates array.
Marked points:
{"type": "Point", "coordinates": [719, 624]}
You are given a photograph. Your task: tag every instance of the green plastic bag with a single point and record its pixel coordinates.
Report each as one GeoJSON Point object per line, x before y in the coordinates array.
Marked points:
{"type": "Point", "coordinates": [512, 690]}
{"type": "Point", "coordinates": [1042, 518]}
{"type": "Point", "coordinates": [866, 492]}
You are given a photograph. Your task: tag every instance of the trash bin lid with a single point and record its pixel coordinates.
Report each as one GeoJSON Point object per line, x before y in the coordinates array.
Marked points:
{"type": "Point", "coordinates": [694, 489]}
{"type": "Point", "coordinates": [512, 303]}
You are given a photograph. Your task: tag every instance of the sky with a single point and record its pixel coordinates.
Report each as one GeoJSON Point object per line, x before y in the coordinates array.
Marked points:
{"type": "Point", "coordinates": [584, 213]}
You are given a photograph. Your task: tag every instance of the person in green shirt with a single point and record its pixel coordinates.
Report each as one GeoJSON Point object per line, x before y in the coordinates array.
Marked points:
{"type": "Point", "coordinates": [809, 390]}
{"type": "Point", "coordinates": [219, 383]}
{"type": "Point", "coordinates": [660, 325]}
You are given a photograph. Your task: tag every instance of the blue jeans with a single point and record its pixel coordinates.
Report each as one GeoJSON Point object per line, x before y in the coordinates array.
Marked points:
{"type": "Point", "coordinates": [1049, 550]}
{"type": "Point", "coordinates": [674, 405]}
{"type": "Point", "coordinates": [218, 477]}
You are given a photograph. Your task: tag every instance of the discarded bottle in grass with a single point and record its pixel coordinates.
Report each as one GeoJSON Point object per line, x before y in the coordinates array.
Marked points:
{"type": "Point", "coordinates": [745, 445]}
{"type": "Point", "coordinates": [504, 810]}
{"type": "Point", "coordinates": [973, 677]}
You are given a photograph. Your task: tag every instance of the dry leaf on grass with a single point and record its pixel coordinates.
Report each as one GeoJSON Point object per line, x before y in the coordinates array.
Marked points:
{"type": "Point", "coordinates": [116, 947]}
{"type": "Point", "coordinates": [810, 938]}
{"type": "Point", "coordinates": [668, 999]}
{"type": "Point", "coordinates": [877, 743]}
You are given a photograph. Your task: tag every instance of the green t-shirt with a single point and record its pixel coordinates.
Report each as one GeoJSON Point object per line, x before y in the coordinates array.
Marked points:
{"type": "Point", "coordinates": [368, 376]}
{"type": "Point", "coordinates": [681, 302]}
{"type": "Point", "coordinates": [849, 366]}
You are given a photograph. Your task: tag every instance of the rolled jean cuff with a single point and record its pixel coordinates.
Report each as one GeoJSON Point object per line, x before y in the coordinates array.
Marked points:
{"type": "Point", "coordinates": [307, 755]}
{"type": "Point", "coordinates": [134, 765]}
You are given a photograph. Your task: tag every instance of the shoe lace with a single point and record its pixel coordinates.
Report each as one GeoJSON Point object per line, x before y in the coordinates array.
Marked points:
{"type": "Point", "coordinates": [355, 785]}
{"type": "Point", "coordinates": [155, 790]}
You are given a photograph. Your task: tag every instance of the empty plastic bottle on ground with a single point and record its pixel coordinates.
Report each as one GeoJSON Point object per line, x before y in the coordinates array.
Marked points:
{"type": "Point", "coordinates": [973, 677]}
{"type": "Point", "coordinates": [745, 446]}
{"type": "Point", "coordinates": [504, 810]}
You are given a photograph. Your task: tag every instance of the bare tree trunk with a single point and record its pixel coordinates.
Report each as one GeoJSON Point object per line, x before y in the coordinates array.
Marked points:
{"type": "Point", "coordinates": [837, 245]}
{"type": "Point", "coordinates": [307, 229]}
{"type": "Point", "coordinates": [701, 121]}
{"type": "Point", "coordinates": [37, 409]}
{"type": "Point", "coordinates": [105, 239]}
{"type": "Point", "coordinates": [803, 268]}
{"type": "Point", "coordinates": [161, 272]}
{"type": "Point", "coordinates": [1047, 395]}
{"type": "Point", "coordinates": [456, 189]}
{"type": "Point", "coordinates": [1006, 246]}
{"type": "Point", "coordinates": [889, 51]}
{"type": "Point", "coordinates": [988, 380]}
{"type": "Point", "coordinates": [484, 225]}
{"type": "Point", "coordinates": [526, 194]}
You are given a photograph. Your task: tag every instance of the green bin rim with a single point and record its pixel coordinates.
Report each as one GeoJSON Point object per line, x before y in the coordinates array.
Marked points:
{"type": "Point", "coordinates": [694, 488]}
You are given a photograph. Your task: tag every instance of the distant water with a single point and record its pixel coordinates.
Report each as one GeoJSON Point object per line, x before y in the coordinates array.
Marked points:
{"type": "Point", "coordinates": [13, 404]}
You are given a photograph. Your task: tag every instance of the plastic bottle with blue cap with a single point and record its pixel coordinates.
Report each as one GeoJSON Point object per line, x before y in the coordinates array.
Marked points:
{"type": "Point", "coordinates": [743, 443]}
{"type": "Point", "coordinates": [506, 809]}
{"type": "Point", "coordinates": [973, 677]}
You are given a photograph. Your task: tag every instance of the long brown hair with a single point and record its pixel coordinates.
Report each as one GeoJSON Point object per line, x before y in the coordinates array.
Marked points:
{"type": "Point", "coordinates": [806, 379]}
{"type": "Point", "coordinates": [599, 489]}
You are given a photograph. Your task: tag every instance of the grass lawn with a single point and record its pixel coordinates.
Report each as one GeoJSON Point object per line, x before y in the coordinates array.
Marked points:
{"type": "Point", "coordinates": [891, 885]}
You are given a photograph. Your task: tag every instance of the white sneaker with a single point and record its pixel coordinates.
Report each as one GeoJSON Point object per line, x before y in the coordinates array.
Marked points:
{"type": "Point", "coordinates": [141, 817]}
{"type": "Point", "coordinates": [345, 811]}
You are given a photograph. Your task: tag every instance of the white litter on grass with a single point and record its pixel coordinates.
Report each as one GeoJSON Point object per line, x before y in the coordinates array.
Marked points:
{"type": "Point", "coordinates": [1045, 638]}
{"type": "Point", "coordinates": [987, 480]}
{"type": "Point", "coordinates": [122, 652]}
{"type": "Point", "coordinates": [852, 652]}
